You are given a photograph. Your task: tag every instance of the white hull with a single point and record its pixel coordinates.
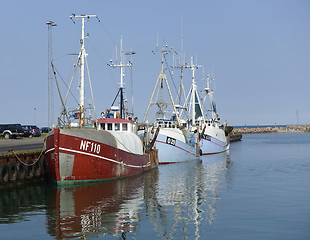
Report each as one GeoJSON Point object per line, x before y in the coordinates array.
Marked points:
{"type": "Point", "coordinates": [175, 146]}
{"type": "Point", "coordinates": [213, 146]}
{"type": "Point", "coordinates": [213, 141]}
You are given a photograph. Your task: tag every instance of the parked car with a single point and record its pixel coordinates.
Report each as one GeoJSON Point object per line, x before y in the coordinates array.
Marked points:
{"type": "Point", "coordinates": [45, 129]}
{"type": "Point", "coordinates": [11, 130]}
{"type": "Point", "coordinates": [31, 131]}
{"type": "Point", "coordinates": [26, 132]}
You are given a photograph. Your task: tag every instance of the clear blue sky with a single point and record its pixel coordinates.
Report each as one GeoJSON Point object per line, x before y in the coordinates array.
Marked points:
{"type": "Point", "coordinates": [259, 52]}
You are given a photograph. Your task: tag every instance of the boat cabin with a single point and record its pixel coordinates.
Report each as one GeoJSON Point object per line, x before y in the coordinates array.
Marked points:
{"type": "Point", "coordinates": [165, 123]}
{"type": "Point", "coordinates": [116, 124]}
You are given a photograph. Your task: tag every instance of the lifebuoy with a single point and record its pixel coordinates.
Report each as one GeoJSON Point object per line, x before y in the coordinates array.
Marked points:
{"type": "Point", "coordinates": [4, 174]}
{"type": "Point", "coordinates": [21, 171]}
{"type": "Point", "coordinates": [13, 172]}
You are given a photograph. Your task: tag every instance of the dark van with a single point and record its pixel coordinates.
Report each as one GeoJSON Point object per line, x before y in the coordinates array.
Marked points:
{"type": "Point", "coordinates": [11, 130]}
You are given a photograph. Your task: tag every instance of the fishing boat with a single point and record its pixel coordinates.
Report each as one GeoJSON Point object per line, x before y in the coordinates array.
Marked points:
{"type": "Point", "coordinates": [81, 149]}
{"type": "Point", "coordinates": [210, 133]}
{"type": "Point", "coordinates": [214, 135]}
{"type": "Point", "coordinates": [174, 142]}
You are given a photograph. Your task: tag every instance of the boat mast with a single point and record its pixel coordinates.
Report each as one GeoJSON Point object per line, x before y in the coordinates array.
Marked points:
{"type": "Point", "coordinates": [82, 66]}
{"type": "Point", "coordinates": [181, 89]}
{"type": "Point", "coordinates": [193, 97]}
{"type": "Point", "coordinates": [162, 77]}
{"type": "Point", "coordinates": [193, 68]}
{"type": "Point", "coordinates": [121, 65]}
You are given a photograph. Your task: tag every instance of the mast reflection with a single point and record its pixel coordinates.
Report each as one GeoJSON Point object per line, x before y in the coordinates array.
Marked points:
{"type": "Point", "coordinates": [186, 196]}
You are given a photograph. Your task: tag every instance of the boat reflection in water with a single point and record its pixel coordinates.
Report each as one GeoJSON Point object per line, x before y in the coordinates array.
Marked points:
{"type": "Point", "coordinates": [175, 201]}
{"type": "Point", "coordinates": [187, 195]}
{"type": "Point", "coordinates": [99, 209]}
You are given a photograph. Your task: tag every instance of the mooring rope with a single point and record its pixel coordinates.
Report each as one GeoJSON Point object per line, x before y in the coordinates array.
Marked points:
{"type": "Point", "coordinates": [35, 161]}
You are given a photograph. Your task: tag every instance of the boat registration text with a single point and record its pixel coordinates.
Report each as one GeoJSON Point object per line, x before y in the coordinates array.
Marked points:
{"type": "Point", "coordinates": [90, 146]}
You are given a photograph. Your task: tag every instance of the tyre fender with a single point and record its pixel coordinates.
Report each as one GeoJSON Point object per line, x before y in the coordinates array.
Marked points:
{"type": "Point", "coordinates": [21, 171]}
{"type": "Point", "coordinates": [37, 169]}
{"type": "Point", "coordinates": [4, 173]}
{"type": "Point", "coordinates": [43, 169]}
{"type": "Point", "coordinates": [30, 170]}
{"type": "Point", "coordinates": [13, 172]}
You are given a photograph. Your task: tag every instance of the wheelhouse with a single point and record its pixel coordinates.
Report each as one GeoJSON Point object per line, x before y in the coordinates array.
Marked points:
{"type": "Point", "coordinates": [165, 123]}
{"type": "Point", "coordinates": [116, 124]}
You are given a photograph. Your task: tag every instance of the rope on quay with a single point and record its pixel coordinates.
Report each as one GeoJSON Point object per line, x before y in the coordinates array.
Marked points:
{"type": "Point", "coordinates": [35, 161]}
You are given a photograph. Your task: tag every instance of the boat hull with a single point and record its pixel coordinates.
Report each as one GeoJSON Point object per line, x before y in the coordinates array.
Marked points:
{"type": "Point", "coordinates": [174, 146]}
{"type": "Point", "coordinates": [213, 141]}
{"type": "Point", "coordinates": [74, 156]}
{"type": "Point", "coordinates": [212, 145]}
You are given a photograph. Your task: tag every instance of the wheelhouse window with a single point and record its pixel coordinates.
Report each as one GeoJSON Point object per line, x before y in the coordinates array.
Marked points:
{"type": "Point", "coordinates": [124, 127]}
{"type": "Point", "coordinates": [110, 126]}
{"type": "Point", "coordinates": [102, 126]}
{"type": "Point", "coordinates": [117, 126]}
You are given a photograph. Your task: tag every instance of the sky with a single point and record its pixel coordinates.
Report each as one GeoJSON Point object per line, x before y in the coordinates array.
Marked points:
{"type": "Point", "coordinates": [257, 51]}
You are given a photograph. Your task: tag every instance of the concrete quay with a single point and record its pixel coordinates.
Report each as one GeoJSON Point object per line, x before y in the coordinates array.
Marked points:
{"type": "Point", "coordinates": [286, 129]}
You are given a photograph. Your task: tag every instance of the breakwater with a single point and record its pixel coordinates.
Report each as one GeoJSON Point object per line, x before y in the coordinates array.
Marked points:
{"type": "Point", "coordinates": [282, 129]}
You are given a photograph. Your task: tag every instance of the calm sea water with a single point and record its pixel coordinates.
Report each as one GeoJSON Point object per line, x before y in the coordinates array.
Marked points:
{"type": "Point", "coordinates": [259, 190]}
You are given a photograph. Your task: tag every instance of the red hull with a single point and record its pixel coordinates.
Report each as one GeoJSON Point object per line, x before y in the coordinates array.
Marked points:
{"type": "Point", "coordinates": [72, 159]}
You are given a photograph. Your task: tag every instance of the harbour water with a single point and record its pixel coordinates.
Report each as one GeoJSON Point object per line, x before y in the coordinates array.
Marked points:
{"type": "Point", "coordinates": [260, 189]}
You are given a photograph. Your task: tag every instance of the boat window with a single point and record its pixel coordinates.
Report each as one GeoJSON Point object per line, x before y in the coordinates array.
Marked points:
{"type": "Point", "coordinates": [109, 126]}
{"type": "Point", "coordinates": [102, 126]}
{"type": "Point", "coordinates": [117, 126]}
{"type": "Point", "coordinates": [124, 127]}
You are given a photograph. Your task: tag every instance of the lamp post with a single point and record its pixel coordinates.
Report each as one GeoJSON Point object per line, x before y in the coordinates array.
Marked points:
{"type": "Point", "coordinates": [34, 116]}
{"type": "Point", "coordinates": [50, 88]}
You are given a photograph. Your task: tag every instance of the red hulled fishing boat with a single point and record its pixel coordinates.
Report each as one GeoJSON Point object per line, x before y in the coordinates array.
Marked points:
{"type": "Point", "coordinates": [82, 149]}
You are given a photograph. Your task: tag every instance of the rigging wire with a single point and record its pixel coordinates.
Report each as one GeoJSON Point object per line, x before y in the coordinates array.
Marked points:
{"type": "Point", "coordinates": [107, 32]}
{"type": "Point", "coordinates": [66, 85]}
{"type": "Point", "coordinates": [170, 74]}
{"type": "Point", "coordinates": [103, 60]}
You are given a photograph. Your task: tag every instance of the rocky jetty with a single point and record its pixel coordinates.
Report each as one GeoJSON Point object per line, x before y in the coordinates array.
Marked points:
{"type": "Point", "coordinates": [286, 129]}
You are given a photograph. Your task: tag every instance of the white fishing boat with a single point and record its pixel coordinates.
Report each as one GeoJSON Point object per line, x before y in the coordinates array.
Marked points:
{"type": "Point", "coordinates": [210, 132]}
{"type": "Point", "coordinates": [174, 142]}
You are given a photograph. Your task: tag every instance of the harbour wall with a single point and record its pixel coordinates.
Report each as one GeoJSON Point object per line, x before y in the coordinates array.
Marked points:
{"type": "Point", "coordinates": [17, 168]}
{"type": "Point", "coordinates": [285, 129]}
